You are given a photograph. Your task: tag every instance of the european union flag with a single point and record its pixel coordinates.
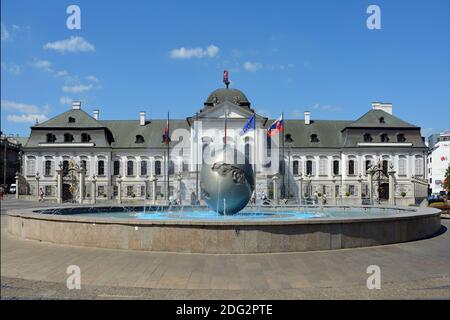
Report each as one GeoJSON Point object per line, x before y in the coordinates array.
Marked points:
{"type": "Point", "coordinates": [249, 125]}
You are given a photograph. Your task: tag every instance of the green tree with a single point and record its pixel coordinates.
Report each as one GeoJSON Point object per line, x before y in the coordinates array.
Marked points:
{"type": "Point", "coordinates": [447, 179]}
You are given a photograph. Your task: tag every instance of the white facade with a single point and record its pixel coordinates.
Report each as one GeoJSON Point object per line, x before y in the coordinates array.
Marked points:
{"type": "Point", "coordinates": [438, 162]}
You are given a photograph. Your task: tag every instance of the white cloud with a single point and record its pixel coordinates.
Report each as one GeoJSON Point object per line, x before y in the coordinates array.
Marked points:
{"type": "Point", "coordinates": [28, 118]}
{"type": "Point", "coordinates": [62, 73]}
{"type": "Point", "coordinates": [65, 100]}
{"type": "Point", "coordinates": [77, 88]}
{"type": "Point", "coordinates": [19, 107]}
{"type": "Point", "coordinates": [92, 78]}
{"type": "Point", "coordinates": [4, 33]}
{"type": "Point", "coordinates": [11, 68]}
{"type": "Point", "coordinates": [326, 107]}
{"type": "Point", "coordinates": [252, 66]}
{"type": "Point", "coordinates": [188, 53]}
{"type": "Point", "coordinates": [27, 112]}
{"type": "Point", "coordinates": [42, 64]}
{"type": "Point", "coordinates": [74, 44]}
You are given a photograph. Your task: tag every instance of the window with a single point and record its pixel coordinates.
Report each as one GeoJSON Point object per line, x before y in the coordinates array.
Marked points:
{"type": "Point", "coordinates": [295, 167]}
{"type": "Point", "coordinates": [68, 137]}
{"type": "Point", "coordinates": [385, 167]}
{"type": "Point", "coordinates": [84, 164]}
{"type": "Point", "coordinates": [402, 166]}
{"type": "Point", "coordinates": [139, 139]}
{"type": "Point", "coordinates": [51, 138]}
{"type": "Point", "coordinates": [381, 120]}
{"type": "Point", "coordinates": [171, 167]}
{"type": "Point", "coordinates": [48, 191]}
{"type": "Point", "coordinates": [351, 167]}
{"type": "Point", "coordinates": [401, 137]}
{"type": "Point", "coordinates": [101, 168]}
{"type": "Point", "coordinates": [48, 168]}
{"type": "Point", "coordinates": [368, 165]}
{"type": "Point", "coordinates": [247, 152]}
{"type": "Point", "coordinates": [115, 191]}
{"type": "Point", "coordinates": [351, 189]}
{"type": "Point", "coordinates": [71, 120]}
{"type": "Point", "coordinates": [309, 167]}
{"type": "Point", "coordinates": [184, 166]}
{"type": "Point", "coordinates": [101, 191]}
{"type": "Point", "coordinates": [158, 167]}
{"type": "Point", "coordinates": [143, 167]}
{"type": "Point", "coordinates": [336, 191]}
{"type": "Point", "coordinates": [269, 146]}
{"type": "Point", "coordinates": [314, 138]}
{"type": "Point", "coordinates": [85, 137]}
{"type": "Point", "coordinates": [142, 191]}
{"type": "Point", "coordinates": [418, 166]}
{"type": "Point", "coordinates": [130, 168]}
{"type": "Point", "coordinates": [130, 192]}
{"type": "Point", "coordinates": [116, 168]}
{"type": "Point", "coordinates": [336, 167]}
{"type": "Point", "coordinates": [65, 168]}
{"type": "Point", "coordinates": [367, 137]}
{"type": "Point", "coordinates": [384, 137]}
{"type": "Point", "coordinates": [323, 164]}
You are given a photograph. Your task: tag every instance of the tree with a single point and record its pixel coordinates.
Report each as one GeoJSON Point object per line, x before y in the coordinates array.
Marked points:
{"type": "Point", "coordinates": [447, 179]}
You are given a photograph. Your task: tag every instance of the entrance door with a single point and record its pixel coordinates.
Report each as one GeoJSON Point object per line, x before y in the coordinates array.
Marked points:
{"type": "Point", "coordinates": [384, 191]}
{"type": "Point", "coordinates": [67, 195]}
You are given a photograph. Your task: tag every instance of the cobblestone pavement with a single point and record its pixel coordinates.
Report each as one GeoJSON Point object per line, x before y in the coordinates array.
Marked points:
{"type": "Point", "coordinates": [37, 270]}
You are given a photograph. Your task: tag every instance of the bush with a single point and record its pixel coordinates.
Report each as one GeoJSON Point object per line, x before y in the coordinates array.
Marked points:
{"type": "Point", "coordinates": [403, 194]}
{"type": "Point", "coordinates": [319, 194]}
{"type": "Point", "coordinates": [347, 194]}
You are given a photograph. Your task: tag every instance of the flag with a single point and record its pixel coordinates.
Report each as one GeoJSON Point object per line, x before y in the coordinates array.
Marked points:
{"type": "Point", "coordinates": [225, 78]}
{"type": "Point", "coordinates": [276, 126]}
{"type": "Point", "coordinates": [166, 137]}
{"type": "Point", "coordinates": [249, 125]}
{"type": "Point", "coordinates": [443, 158]}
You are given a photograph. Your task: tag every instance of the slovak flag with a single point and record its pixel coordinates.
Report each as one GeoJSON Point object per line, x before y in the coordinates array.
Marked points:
{"type": "Point", "coordinates": [275, 127]}
{"type": "Point", "coordinates": [166, 138]}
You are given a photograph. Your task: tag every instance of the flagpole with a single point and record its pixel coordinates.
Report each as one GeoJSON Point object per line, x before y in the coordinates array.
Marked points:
{"type": "Point", "coordinates": [168, 157]}
{"type": "Point", "coordinates": [196, 157]}
{"type": "Point", "coordinates": [282, 157]}
{"type": "Point", "coordinates": [254, 150]}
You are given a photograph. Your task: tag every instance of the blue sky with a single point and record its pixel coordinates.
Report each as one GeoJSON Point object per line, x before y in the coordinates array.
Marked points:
{"type": "Point", "coordinates": [286, 56]}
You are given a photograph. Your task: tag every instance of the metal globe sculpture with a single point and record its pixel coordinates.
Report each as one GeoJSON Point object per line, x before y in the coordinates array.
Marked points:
{"type": "Point", "coordinates": [227, 186]}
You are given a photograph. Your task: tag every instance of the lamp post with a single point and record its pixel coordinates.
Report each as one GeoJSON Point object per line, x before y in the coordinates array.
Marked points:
{"type": "Point", "coordinates": [37, 185]}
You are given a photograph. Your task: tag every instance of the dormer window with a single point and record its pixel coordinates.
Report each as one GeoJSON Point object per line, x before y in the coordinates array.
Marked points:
{"type": "Point", "coordinates": [401, 137]}
{"type": "Point", "coordinates": [384, 137]}
{"type": "Point", "coordinates": [381, 120]}
{"type": "Point", "coordinates": [71, 120]}
{"type": "Point", "coordinates": [314, 138]}
{"type": "Point", "coordinates": [51, 138]}
{"type": "Point", "coordinates": [139, 139]}
{"type": "Point", "coordinates": [288, 138]}
{"type": "Point", "coordinates": [367, 137]}
{"type": "Point", "coordinates": [85, 137]}
{"type": "Point", "coordinates": [68, 137]}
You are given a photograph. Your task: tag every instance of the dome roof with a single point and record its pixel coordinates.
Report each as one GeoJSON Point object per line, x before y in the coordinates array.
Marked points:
{"type": "Point", "coordinates": [224, 94]}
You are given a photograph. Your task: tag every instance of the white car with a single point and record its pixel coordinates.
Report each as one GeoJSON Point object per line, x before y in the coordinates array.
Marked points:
{"type": "Point", "coordinates": [12, 188]}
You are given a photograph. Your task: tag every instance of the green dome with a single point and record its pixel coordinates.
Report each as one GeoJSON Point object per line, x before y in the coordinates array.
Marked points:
{"type": "Point", "coordinates": [232, 95]}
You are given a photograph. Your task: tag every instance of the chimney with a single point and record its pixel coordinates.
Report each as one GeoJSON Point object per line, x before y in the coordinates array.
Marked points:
{"type": "Point", "coordinates": [76, 105]}
{"type": "Point", "coordinates": [384, 106]}
{"type": "Point", "coordinates": [96, 114]}
{"type": "Point", "coordinates": [142, 118]}
{"type": "Point", "coordinates": [307, 117]}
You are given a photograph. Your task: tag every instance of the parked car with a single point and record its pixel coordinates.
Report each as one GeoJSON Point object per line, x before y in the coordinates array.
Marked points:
{"type": "Point", "coordinates": [12, 188]}
{"type": "Point", "coordinates": [435, 198]}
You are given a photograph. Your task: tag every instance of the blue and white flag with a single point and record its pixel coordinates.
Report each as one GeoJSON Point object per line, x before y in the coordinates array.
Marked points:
{"type": "Point", "coordinates": [249, 125]}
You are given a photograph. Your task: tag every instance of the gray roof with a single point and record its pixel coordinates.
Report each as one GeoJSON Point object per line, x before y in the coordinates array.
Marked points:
{"type": "Point", "coordinates": [371, 119]}
{"type": "Point", "coordinates": [82, 120]}
{"type": "Point", "coordinates": [225, 94]}
{"type": "Point", "coordinates": [124, 132]}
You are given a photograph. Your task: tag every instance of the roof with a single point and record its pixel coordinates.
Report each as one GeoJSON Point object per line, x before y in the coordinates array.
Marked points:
{"type": "Point", "coordinates": [82, 120]}
{"type": "Point", "coordinates": [124, 132]}
{"type": "Point", "coordinates": [234, 96]}
{"type": "Point", "coordinates": [328, 133]}
{"type": "Point", "coordinates": [371, 119]}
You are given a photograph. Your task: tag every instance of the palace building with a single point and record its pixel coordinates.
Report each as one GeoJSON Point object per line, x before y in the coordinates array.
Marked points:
{"type": "Point", "coordinates": [376, 158]}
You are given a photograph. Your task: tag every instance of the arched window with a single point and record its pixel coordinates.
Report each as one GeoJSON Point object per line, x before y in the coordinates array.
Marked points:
{"type": "Point", "coordinates": [158, 167]}
{"type": "Point", "coordinates": [139, 139]}
{"type": "Point", "coordinates": [51, 138]}
{"type": "Point", "coordinates": [85, 137]}
{"type": "Point", "coordinates": [309, 167]}
{"type": "Point", "coordinates": [314, 138]}
{"type": "Point", "coordinates": [184, 166]}
{"type": "Point", "coordinates": [143, 167]}
{"type": "Point", "coordinates": [402, 166]}
{"type": "Point", "coordinates": [101, 167]}
{"type": "Point", "coordinates": [381, 120]}
{"type": "Point", "coordinates": [68, 137]}
{"type": "Point", "coordinates": [269, 146]}
{"type": "Point", "coordinates": [323, 166]}
{"type": "Point", "coordinates": [130, 168]}
{"type": "Point", "coordinates": [247, 150]}
{"type": "Point", "coordinates": [385, 166]}
{"type": "Point", "coordinates": [71, 120]}
{"type": "Point", "coordinates": [65, 168]}
{"type": "Point", "coordinates": [295, 167]}
{"type": "Point", "coordinates": [336, 167]}
{"type": "Point", "coordinates": [384, 137]}
{"type": "Point", "coordinates": [31, 166]}
{"type": "Point", "coordinates": [48, 168]}
{"type": "Point", "coordinates": [401, 137]}
{"type": "Point", "coordinates": [171, 167]}
{"type": "Point", "coordinates": [116, 167]}
{"type": "Point", "coordinates": [351, 167]}
{"type": "Point", "coordinates": [418, 170]}
{"type": "Point", "coordinates": [367, 137]}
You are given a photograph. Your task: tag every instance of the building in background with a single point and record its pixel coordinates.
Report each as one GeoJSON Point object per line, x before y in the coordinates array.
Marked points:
{"type": "Point", "coordinates": [10, 158]}
{"type": "Point", "coordinates": [316, 156]}
{"type": "Point", "coordinates": [438, 160]}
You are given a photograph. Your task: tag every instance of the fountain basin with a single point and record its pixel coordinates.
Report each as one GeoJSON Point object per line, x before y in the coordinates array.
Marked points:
{"type": "Point", "coordinates": [89, 226]}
